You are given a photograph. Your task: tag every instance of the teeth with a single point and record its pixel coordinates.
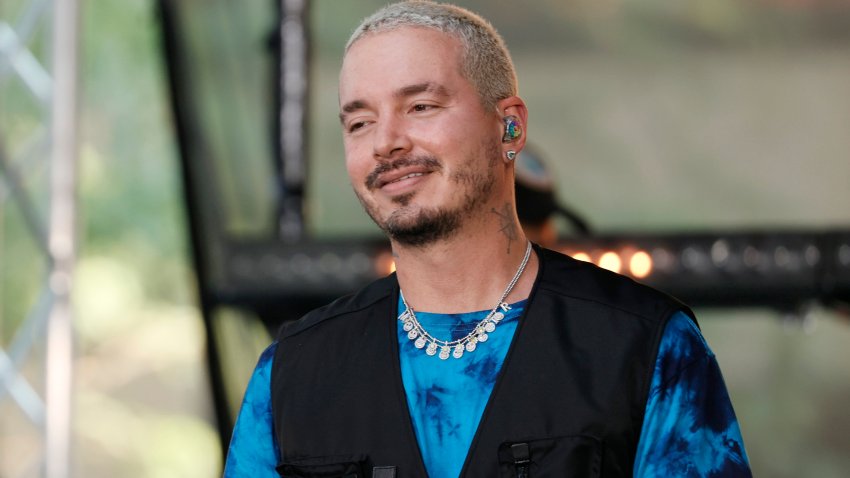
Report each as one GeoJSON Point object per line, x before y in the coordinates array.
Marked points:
{"type": "Point", "coordinates": [411, 175]}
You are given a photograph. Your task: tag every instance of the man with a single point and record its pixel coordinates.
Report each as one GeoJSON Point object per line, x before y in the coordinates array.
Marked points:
{"type": "Point", "coordinates": [480, 357]}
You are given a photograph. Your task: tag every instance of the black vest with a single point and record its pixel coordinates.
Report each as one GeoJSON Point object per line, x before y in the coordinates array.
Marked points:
{"type": "Point", "coordinates": [569, 400]}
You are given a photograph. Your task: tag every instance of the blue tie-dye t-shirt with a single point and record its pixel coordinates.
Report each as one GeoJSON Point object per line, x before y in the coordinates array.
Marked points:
{"type": "Point", "coordinates": [689, 426]}
{"type": "Point", "coordinates": [447, 399]}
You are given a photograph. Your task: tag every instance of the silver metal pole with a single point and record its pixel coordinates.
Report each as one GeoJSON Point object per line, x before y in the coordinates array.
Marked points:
{"type": "Point", "coordinates": [61, 238]}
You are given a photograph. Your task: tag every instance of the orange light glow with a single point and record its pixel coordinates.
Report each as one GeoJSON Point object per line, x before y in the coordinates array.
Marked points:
{"type": "Point", "coordinates": [581, 256]}
{"type": "Point", "coordinates": [610, 261]}
{"type": "Point", "coordinates": [384, 264]}
{"type": "Point", "coordinates": [640, 264]}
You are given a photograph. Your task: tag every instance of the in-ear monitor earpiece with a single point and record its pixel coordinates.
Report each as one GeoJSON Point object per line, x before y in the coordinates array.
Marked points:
{"type": "Point", "coordinates": [513, 130]}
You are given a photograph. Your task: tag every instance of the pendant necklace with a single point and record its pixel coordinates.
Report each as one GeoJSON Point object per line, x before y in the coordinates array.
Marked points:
{"type": "Point", "coordinates": [424, 340]}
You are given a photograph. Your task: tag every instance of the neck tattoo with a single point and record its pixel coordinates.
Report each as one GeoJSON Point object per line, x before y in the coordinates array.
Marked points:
{"type": "Point", "coordinates": [422, 339]}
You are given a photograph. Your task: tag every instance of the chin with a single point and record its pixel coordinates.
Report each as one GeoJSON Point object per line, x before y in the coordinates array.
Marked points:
{"type": "Point", "coordinates": [421, 227]}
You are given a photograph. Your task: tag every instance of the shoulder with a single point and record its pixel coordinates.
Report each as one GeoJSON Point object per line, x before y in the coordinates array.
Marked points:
{"type": "Point", "coordinates": [368, 296]}
{"type": "Point", "coordinates": [566, 277]}
{"type": "Point", "coordinates": [253, 450]}
{"type": "Point", "coordinates": [682, 346]}
{"type": "Point", "coordinates": [258, 386]}
{"type": "Point", "coordinates": [266, 359]}
{"type": "Point", "coordinates": [689, 425]}
{"type": "Point", "coordinates": [683, 340]}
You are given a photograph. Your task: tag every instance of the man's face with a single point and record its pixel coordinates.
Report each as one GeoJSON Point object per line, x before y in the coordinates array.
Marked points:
{"type": "Point", "coordinates": [420, 148]}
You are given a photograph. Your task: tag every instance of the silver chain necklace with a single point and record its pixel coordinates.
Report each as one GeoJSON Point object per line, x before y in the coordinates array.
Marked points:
{"type": "Point", "coordinates": [422, 339]}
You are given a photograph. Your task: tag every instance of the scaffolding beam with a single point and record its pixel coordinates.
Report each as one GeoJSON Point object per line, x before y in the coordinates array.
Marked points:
{"type": "Point", "coordinates": [62, 239]}
{"type": "Point", "coordinates": [55, 138]}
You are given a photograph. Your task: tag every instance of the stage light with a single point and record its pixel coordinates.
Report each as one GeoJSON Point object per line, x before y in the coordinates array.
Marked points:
{"type": "Point", "coordinates": [731, 269]}
{"type": "Point", "coordinates": [720, 252]}
{"type": "Point", "coordinates": [581, 256]}
{"type": "Point", "coordinates": [663, 260]}
{"type": "Point", "coordinates": [812, 255]}
{"type": "Point", "coordinates": [752, 257]}
{"type": "Point", "coordinates": [330, 263]}
{"type": "Point", "coordinates": [611, 261]}
{"type": "Point", "coordinates": [384, 264]}
{"type": "Point", "coordinates": [640, 264]}
{"type": "Point", "coordinates": [844, 255]}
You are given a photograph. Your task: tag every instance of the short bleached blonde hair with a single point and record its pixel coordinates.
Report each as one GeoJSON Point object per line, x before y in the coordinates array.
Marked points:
{"type": "Point", "coordinates": [486, 62]}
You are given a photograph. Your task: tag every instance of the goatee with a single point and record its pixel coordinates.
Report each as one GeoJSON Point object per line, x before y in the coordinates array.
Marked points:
{"type": "Point", "coordinates": [419, 226]}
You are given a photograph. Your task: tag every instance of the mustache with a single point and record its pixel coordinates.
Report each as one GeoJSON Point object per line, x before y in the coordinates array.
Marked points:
{"type": "Point", "coordinates": [428, 162]}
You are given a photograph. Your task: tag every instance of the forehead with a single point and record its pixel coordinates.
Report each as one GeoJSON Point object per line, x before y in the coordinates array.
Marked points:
{"type": "Point", "coordinates": [387, 61]}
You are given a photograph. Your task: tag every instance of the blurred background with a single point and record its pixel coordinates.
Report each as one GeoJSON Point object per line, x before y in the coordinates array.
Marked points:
{"type": "Point", "coordinates": [213, 202]}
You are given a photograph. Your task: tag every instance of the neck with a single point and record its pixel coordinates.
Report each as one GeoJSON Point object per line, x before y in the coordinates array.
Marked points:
{"type": "Point", "coordinates": [470, 270]}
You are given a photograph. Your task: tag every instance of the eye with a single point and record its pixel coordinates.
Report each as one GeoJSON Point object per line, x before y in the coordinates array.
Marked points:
{"type": "Point", "coordinates": [420, 107]}
{"type": "Point", "coordinates": [356, 126]}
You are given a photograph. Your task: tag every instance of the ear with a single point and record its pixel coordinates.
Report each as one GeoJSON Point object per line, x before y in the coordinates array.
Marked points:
{"type": "Point", "coordinates": [514, 106]}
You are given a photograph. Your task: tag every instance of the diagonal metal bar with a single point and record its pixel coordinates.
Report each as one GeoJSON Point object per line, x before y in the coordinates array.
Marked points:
{"type": "Point", "coordinates": [27, 21]}
{"type": "Point", "coordinates": [30, 157]}
{"type": "Point", "coordinates": [25, 64]}
{"type": "Point", "coordinates": [32, 328]}
{"type": "Point", "coordinates": [21, 391]}
{"type": "Point", "coordinates": [31, 217]}
{"type": "Point", "coordinates": [26, 25]}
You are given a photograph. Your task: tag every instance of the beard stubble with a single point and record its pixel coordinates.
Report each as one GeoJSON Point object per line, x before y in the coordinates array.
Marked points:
{"type": "Point", "coordinates": [420, 226]}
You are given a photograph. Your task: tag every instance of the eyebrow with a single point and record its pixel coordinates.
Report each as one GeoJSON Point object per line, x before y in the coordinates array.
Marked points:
{"type": "Point", "coordinates": [403, 92]}
{"type": "Point", "coordinates": [426, 87]}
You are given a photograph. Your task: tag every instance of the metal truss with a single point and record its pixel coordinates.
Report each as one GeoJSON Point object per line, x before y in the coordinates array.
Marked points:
{"type": "Point", "coordinates": [47, 149]}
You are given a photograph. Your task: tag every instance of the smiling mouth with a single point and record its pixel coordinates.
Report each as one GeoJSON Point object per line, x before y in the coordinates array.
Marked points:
{"type": "Point", "coordinates": [417, 166]}
{"type": "Point", "coordinates": [411, 175]}
{"type": "Point", "coordinates": [402, 185]}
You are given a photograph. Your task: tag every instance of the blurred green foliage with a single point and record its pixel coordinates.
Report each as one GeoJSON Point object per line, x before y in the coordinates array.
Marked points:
{"type": "Point", "coordinates": [141, 348]}
{"type": "Point", "coordinates": [141, 397]}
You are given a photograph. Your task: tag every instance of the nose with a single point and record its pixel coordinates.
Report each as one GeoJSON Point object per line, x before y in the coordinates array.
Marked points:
{"type": "Point", "coordinates": [391, 138]}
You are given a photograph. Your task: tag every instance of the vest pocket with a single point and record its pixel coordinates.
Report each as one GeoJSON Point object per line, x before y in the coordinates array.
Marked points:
{"type": "Point", "coordinates": [573, 456]}
{"type": "Point", "coordinates": [337, 466]}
